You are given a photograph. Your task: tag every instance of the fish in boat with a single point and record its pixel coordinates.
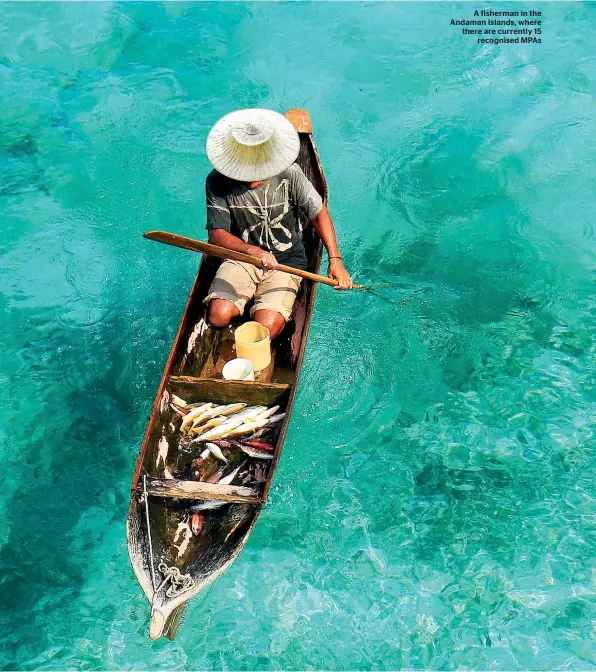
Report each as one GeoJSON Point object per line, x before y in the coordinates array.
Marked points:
{"type": "Point", "coordinates": [268, 413]}
{"type": "Point", "coordinates": [196, 412]}
{"type": "Point", "coordinates": [261, 445]}
{"type": "Point", "coordinates": [197, 524]}
{"type": "Point", "coordinates": [219, 432]}
{"type": "Point", "coordinates": [215, 450]}
{"type": "Point", "coordinates": [257, 453]}
{"type": "Point", "coordinates": [178, 401]}
{"type": "Point", "coordinates": [246, 428]}
{"type": "Point", "coordinates": [214, 422]}
{"type": "Point", "coordinates": [158, 517]}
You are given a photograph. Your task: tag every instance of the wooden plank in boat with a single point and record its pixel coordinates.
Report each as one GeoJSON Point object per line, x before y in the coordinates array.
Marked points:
{"type": "Point", "coordinates": [171, 487]}
{"type": "Point", "coordinates": [229, 391]}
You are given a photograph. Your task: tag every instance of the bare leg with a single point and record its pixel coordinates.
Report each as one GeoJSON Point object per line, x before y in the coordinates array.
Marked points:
{"type": "Point", "coordinates": [271, 319]}
{"type": "Point", "coordinates": [221, 311]}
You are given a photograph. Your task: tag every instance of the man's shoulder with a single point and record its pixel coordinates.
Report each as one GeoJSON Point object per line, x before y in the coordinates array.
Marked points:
{"type": "Point", "coordinates": [293, 171]}
{"type": "Point", "coordinates": [218, 184]}
{"type": "Point", "coordinates": [293, 174]}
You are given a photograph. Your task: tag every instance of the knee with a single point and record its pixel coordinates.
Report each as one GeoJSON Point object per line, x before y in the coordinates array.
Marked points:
{"type": "Point", "coordinates": [270, 319]}
{"type": "Point", "coordinates": [221, 313]}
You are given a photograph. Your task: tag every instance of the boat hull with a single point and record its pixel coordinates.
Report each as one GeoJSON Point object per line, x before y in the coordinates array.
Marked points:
{"type": "Point", "coordinates": [172, 565]}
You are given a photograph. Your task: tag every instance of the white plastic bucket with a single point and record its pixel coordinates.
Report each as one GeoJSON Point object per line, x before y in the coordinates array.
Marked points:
{"type": "Point", "coordinates": [238, 369]}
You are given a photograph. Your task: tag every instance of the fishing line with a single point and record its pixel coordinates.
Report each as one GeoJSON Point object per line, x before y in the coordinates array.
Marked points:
{"type": "Point", "coordinates": [149, 532]}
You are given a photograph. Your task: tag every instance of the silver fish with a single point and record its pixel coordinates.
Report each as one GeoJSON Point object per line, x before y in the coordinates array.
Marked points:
{"type": "Point", "coordinates": [233, 408]}
{"type": "Point", "coordinates": [230, 477]}
{"type": "Point", "coordinates": [179, 402]}
{"type": "Point", "coordinates": [213, 422]}
{"type": "Point", "coordinates": [248, 413]}
{"type": "Point", "coordinates": [205, 453]}
{"type": "Point", "coordinates": [193, 414]}
{"type": "Point", "coordinates": [219, 432]}
{"type": "Point", "coordinates": [208, 505]}
{"type": "Point", "coordinates": [223, 410]}
{"type": "Point", "coordinates": [247, 428]}
{"type": "Point", "coordinates": [276, 418]}
{"type": "Point", "coordinates": [216, 452]}
{"type": "Point", "coordinates": [268, 413]}
{"type": "Point", "coordinates": [208, 413]}
{"type": "Point", "coordinates": [256, 452]}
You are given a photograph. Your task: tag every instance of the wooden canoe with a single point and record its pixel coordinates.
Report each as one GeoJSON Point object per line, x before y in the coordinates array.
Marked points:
{"type": "Point", "coordinates": [171, 564]}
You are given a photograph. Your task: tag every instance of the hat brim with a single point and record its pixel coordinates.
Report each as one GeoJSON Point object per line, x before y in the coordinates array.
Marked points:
{"type": "Point", "coordinates": [256, 162]}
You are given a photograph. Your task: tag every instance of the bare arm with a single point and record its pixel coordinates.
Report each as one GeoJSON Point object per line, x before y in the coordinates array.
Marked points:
{"type": "Point", "coordinates": [324, 227]}
{"type": "Point", "coordinates": [224, 238]}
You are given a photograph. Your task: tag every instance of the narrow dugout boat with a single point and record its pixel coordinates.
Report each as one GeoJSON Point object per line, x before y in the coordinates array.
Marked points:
{"type": "Point", "coordinates": [171, 564]}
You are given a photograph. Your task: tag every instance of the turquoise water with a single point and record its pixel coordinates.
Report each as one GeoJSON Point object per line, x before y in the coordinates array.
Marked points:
{"type": "Point", "coordinates": [434, 507]}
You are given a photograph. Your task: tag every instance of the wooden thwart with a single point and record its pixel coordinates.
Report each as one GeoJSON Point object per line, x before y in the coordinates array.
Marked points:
{"type": "Point", "coordinates": [170, 487]}
{"type": "Point", "coordinates": [228, 391]}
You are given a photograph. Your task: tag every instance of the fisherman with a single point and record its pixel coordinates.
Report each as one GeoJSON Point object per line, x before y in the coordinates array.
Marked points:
{"type": "Point", "coordinates": [255, 198]}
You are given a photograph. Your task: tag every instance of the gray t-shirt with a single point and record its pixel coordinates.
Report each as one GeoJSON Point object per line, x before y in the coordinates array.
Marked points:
{"type": "Point", "coordinates": [267, 216]}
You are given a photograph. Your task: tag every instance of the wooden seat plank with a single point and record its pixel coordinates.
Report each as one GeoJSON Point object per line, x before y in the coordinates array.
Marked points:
{"type": "Point", "coordinates": [229, 391]}
{"type": "Point", "coordinates": [171, 487]}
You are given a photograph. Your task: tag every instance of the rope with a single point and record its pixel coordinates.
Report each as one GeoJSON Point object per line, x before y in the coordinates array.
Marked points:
{"type": "Point", "coordinates": [180, 582]}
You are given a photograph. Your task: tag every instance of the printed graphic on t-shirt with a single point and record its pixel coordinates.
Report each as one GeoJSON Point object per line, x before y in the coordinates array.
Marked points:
{"type": "Point", "coordinates": [269, 214]}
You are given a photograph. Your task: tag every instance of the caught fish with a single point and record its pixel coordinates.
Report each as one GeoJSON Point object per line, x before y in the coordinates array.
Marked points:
{"type": "Point", "coordinates": [215, 477]}
{"type": "Point", "coordinates": [230, 477]}
{"type": "Point", "coordinates": [224, 410]}
{"type": "Point", "coordinates": [268, 413]}
{"type": "Point", "coordinates": [224, 443]}
{"type": "Point", "coordinates": [208, 505]}
{"type": "Point", "coordinates": [219, 432]}
{"type": "Point", "coordinates": [193, 414]}
{"type": "Point", "coordinates": [232, 408]}
{"type": "Point", "coordinates": [179, 402]}
{"type": "Point", "coordinates": [216, 452]}
{"type": "Point", "coordinates": [208, 413]}
{"type": "Point", "coordinates": [276, 418]}
{"type": "Point", "coordinates": [197, 524]}
{"type": "Point", "coordinates": [247, 428]}
{"type": "Point", "coordinates": [214, 422]}
{"type": "Point", "coordinates": [261, 445]}
{"type": "Point", "coordinates": [232, 422]}
{"type": "Point", "coordinates": [179, 411]}
{"type": "Point", "coordinates": [256, 452]}
{"type": "Point", "coordinates": [248, 413]}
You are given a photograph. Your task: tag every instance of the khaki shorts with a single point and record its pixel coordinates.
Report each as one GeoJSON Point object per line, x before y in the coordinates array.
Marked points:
{"type": "Point", "coordinates": [238, 282]}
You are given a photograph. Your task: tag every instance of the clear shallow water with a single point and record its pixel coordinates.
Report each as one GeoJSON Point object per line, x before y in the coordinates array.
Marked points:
{"type": "Point", "coordinates": [435, 504]}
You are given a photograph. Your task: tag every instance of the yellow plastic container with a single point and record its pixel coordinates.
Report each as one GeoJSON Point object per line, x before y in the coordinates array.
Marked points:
{"type": "Point", "coordinates": [253, 342]}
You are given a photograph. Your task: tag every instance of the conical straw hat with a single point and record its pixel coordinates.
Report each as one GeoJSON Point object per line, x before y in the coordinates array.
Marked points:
{"type": "Point", "coordinates": [252, 145]}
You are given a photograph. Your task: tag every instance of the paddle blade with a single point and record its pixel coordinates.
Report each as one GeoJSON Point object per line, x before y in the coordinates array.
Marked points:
{"type": "Point", "coordinates": [181, 241]}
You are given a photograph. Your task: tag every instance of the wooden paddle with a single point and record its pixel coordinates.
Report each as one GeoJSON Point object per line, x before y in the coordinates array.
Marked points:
{"type": "Point", "coordinates": [224, 253]}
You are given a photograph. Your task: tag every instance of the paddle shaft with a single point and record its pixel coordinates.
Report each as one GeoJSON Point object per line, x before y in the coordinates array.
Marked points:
{"type": "Point", "coordinates": [224, 253]}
